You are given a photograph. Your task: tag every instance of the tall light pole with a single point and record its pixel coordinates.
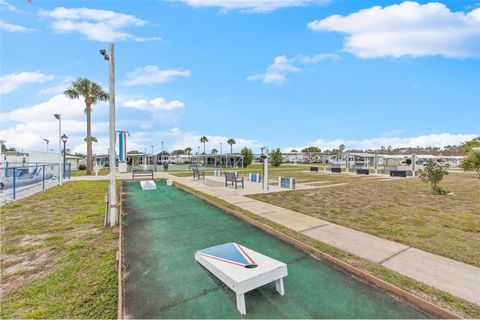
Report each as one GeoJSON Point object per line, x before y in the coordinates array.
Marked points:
{"type": "Point", "coordinates": [58, 116]}
{"type": "Point", "coordinates": [64, 140]}
{"type": "Point", "coordinates": [161, 156]}
{"type": "Point", "coordinates": [112, 154]}
{"type": "Point", "coordinates": [47, 141]}
{"type": "Point", "coordinates": [221, 156]}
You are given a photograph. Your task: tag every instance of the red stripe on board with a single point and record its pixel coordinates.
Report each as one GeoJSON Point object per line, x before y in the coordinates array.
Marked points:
{"type": "Point", "coordinates": [228, 261]}
{"type": "Point", "coordinates": [240, 247]}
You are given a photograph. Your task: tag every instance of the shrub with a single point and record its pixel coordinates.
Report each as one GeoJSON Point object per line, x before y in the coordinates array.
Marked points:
{"type": "Point", "coordinates": [82, 167]}
{"type": "Point", "coordinates": [472, 162]}
{"type": "Point", "coordinates": [248, 156]}
{"type": "Point", "coordinates": [433, 173]}
{"type": "Point", "coordinates": [276, 157]}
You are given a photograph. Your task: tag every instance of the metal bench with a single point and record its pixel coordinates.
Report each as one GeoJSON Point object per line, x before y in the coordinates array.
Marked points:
{"type": "Point", "coordinates": [363, 171]}
{"type": "Point", "coordinates": [398, 173]}
{"type": "Point", "coordinates": [197, 174]}
{"type": "Point", "coordinates": [142, 174]}
{"type": "Point", "coordinates": [314, 169]}
{"type": "Point", "coordinates": [336, 170]}
{"type": "Point", "coordinates": [233, 178]}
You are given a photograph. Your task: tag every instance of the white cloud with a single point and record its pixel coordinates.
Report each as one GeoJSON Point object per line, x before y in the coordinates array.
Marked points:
{"type": "Point", "coordinates": [8, 6]}
{"type": "Point", "coordinates": [58, 88]}
{"type": "Point", "coordinates": [438, 140]}
{"type": "Point", "coordinates": [149, 75]}
{"type": "Point", "coordinates": [13, 81]}
{"type": "Point", "coordinates": [407, 29]}
{"type": "Point", "coordinates": [44, 111]}
{"type": "Point", "coordinates": [9, 27]}
{"type": "Point", "coordinates": [95, 24]}
{"type": "Point", "coordinates": [253, 5]}
{"type": "Point", "coordinates": [26, 127]}
{"type": "Point", "coordinates": [277, 72]}
{"type": "Point", "coordinates": [154, 105]}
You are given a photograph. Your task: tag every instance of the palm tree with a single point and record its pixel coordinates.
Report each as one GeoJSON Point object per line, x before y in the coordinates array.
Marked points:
{"type": "Point", "coordinates": [92, 138]}
{"type": "Point", "coordinates": [214, 151]}
{"type": "Point", "coordinates": [188, 151]}
{"type": "Point", "coordinates": [91, 93]}
{"type": "Point", "coordinates": [231, 142]}
{"type": "Point", "coordinates": [203, 139]}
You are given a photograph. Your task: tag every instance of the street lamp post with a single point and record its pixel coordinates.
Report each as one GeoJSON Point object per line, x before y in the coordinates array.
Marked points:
{"type": "Point", "coordinates": [58, 116]}
{"type": "Point", "coordinates": [264, 157]}
{"type": "Point", "coordinates": [47, 141]}
{"type": "Point", "coordinates": [161, 156]}
{"type": "Point", "coordinates": [112, 154]}
{"type": "Point", "coordinates": [64, 139]}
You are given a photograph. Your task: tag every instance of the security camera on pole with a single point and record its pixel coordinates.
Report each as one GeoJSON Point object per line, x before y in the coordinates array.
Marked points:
{"type": "Point", "coordinates": [113, 206]}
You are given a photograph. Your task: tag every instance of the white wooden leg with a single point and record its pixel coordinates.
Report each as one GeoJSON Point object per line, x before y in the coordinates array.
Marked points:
{"type": "Point", "coordinates": [241, 304]}
{"type": "Point", "coordinates": [279, 286]}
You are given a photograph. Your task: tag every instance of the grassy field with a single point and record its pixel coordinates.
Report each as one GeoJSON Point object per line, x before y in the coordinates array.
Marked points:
{"type": "Point", "coordinates": [402, 210]}
{"type": "Point", "coordinates": [58, 260]}
{"type": "Point", "coordinates": [79, 173]}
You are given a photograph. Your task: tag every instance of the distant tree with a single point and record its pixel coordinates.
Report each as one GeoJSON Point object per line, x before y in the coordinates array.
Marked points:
{"type": "Point", "coordinates": [472, 162]}
{"type": "Point", "coordinates": [311, 150]}
{"type": "Point", "coordinates": [203, 140]}
{"type": "Point", "coordinates": [432, 173]}
{"type": "Point", "coordinates": [293, 151]}
{"type": "Point", "coordinates": [231, 142]}
{"type": "Point", "coordinates": [133, 152]}
{"type": "Point", "coordinates": [247, 156]}
{"type": "Point", "coordinates": [341, 148]}
{"type": "Point", "coordinates": [214, 151]}
{"type": "Point", "coordinates": [79, 154]}
{"type": "Point", "coordinates": [178, 152]}
{"type": "Point", "coordinates": [92, 93]}
{"type": "Point", "coordinates": [276, 157]}
{"type": "Point", "coordinates": [468, 145]}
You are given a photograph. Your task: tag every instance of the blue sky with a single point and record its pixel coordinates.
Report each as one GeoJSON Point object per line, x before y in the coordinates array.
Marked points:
{"type": "Point", "coordinates": [288, 73]}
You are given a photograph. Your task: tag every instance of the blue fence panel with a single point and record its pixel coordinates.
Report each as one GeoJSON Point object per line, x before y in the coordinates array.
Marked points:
{"type": "Point", "coordinates": [24, 179]}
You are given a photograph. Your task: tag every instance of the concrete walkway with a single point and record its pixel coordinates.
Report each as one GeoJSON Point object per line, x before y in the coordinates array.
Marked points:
{"type": "Point", "coordinates": [457, 278]}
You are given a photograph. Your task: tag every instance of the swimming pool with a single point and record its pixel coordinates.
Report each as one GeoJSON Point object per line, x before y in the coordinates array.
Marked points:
{"type": "Point", "coordinates": [164, 227]}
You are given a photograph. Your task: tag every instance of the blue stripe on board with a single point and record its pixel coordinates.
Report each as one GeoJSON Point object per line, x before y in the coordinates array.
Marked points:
{"type": "Point", "coordinates": [226, 251]}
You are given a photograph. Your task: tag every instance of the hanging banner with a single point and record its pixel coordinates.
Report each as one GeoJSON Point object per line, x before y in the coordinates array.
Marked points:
{"type": "Point", "coordinates": [122, 146]}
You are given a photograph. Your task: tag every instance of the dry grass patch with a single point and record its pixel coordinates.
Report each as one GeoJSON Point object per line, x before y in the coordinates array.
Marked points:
{"type": "Point", "coordinates": [57, 258]}
{"type": "Point", "coordinates": [402, 210]}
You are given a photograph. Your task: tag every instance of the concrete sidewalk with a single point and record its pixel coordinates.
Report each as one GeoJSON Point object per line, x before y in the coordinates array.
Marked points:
{"type": "Point", "coordinates": [457, 278]}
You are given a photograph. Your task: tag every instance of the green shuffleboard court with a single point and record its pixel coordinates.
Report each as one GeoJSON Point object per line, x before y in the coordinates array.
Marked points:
{"type": "Point", "coordinates": [163, 229]}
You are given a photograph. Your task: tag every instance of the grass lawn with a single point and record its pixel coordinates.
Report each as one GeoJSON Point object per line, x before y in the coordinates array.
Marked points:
{"type": "Point", "coordinates": [101, 172]}
{"type": "Point", "coordinates": [402, 210]}
{"type": "Point", "coordinates": [58, 260]}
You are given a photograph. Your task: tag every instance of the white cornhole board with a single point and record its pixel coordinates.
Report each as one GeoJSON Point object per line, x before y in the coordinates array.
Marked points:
{"type": "Point", "coordinates": [242, 269]}
{"type": "Point", "coordinates": [148, 185]}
